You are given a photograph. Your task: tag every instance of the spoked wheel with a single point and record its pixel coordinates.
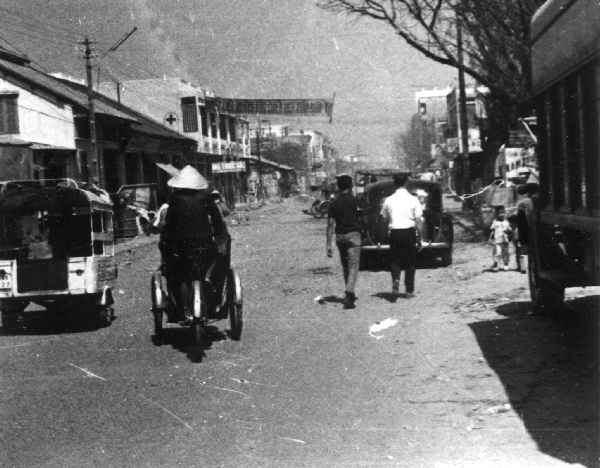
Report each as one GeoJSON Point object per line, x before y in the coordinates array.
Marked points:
{"type": "Point", "coordinates": [157, 306]}
{"type": "Point", "coordinates": [198, 330]}
{"type": "Point", "coordinates": [197, 310]}
{"type": "Point", "coordinates": [104, 315]}
{"type": "Point", "coordinates": [158, 325]}
{"type": "Point", "coordinates": [234, 305]}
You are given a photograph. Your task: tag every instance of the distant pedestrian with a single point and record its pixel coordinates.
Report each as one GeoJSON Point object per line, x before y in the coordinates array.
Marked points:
{"type": "Point", "coordinates": [221, 205]}
{"type": "Point", "coordinates": [525, 207]}
{"type": "Point", "coordinates": [403, 213]}
{"type": "Point", "coordinates": [500, 238]}
{"type": "Point", "coordinates": [343, 219]}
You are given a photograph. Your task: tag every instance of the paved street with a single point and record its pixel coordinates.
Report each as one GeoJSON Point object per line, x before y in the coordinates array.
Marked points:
{"type": "Point", "coordinates": [466, 377]}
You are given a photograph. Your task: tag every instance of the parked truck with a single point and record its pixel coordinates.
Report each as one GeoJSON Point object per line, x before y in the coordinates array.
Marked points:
{"type": "Point", "coordinates": [564, 222]}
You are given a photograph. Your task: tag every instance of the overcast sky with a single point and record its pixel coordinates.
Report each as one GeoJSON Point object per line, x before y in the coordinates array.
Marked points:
{"type": "Point", "coordinates": [241, 48]}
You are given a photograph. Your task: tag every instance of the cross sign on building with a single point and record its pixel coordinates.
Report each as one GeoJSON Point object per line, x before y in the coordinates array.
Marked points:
{"type": "Point", "coordinates": [171, 118]}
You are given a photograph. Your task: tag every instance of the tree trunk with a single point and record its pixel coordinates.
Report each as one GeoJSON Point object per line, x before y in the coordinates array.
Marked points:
{"type": "Point", "coordinates": [501, 114]}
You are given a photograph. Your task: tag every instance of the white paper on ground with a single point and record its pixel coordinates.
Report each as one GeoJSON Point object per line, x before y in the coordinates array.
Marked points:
{"type": "Point", "coordinates": [380, 326]}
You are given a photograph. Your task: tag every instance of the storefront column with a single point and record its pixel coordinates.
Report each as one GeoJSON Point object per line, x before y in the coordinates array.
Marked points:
{"type": "Point", "coordinates": [209, 130]}
{"type": "Point", "coordinates": [218, 126]}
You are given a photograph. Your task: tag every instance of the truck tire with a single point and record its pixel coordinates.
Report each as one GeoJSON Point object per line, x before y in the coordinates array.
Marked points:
{"type": "Point", "coordinates": [447, 257]}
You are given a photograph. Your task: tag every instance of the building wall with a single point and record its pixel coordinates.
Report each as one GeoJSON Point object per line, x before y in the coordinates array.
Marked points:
{"type": "Point", "coordinates": [42, 120]}
{"type": "Point", "coordinates": [160, 99]}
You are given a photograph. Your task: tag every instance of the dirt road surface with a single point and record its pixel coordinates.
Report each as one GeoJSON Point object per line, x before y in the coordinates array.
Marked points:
{"type": "Point", "coordinates": [466, 376]}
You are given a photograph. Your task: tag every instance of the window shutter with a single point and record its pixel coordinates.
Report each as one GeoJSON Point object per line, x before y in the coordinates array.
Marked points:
{"type": "Point", "coordinates": [12, 115]}
{"type": "Point", "coordinates": [190, 116]}
{"type": "Point", "coordinates": [9, 117]}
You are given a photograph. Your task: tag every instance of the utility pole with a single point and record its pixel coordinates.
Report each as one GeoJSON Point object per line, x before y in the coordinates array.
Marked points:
{"type": "Point", "coordinates": [462, 112]}
{"type": "Point", "coordinates": [93, 159]}
{"type": "Point", "coordinates": [258, 129]}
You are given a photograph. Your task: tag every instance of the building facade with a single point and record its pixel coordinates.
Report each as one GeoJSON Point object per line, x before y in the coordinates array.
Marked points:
{"type": "Point", "coordinates": [45, 132]}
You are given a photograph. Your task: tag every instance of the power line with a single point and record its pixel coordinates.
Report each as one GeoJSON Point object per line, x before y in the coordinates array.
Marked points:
{"type": "Point", "coordinates": [45, 113]}
{"type": "Point", "coordinates": [135, 67]}
{"type": "Point", "coordinates": [23, 53]}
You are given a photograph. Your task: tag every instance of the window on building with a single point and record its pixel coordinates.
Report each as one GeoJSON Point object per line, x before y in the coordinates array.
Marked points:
{"type": "Point", "coordinates": [203, 120]}
{"type": "Point", "coordinates": [190, 116]}
{"type": "Point", "coordinates": [573, 142]}
{"type": "Point", "coordinates": [9, 116]}
{"type": "Point", "coordinates": [589, 85]}
{"type": "Point", "coordinates": [556, 156]}
{"type": "Point", "coordinates": [223, 126]}
{"type": "Point", "coordinates": [213, 125]}
{"type": "Point", "coordinates": [232, 129]}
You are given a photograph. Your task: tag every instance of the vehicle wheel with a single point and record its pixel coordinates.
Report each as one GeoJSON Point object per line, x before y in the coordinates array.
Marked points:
{"type": "Point", "coordinates": [323, 209]}
{"type": "Point", "coordinates": [314, 208]}
{"type": "Point", "coordinates": [198, 330]}
{"type": "Point", "coordinates": [156, 291]}
{"type": "Point", "coordinates": [235, 307]}
{"type": "Point", "coordinates": [546, 299]}
{"type": "Point", "coordinates": [104, 315]}
{"type": "Point", "coordinates": [10, 320]}
{"type": "Point", "coordinates": [197, 300]}
{"type": "Point", "coordinates": [158, 325]}
{"type": "Point", "coordinates": [447, 257]}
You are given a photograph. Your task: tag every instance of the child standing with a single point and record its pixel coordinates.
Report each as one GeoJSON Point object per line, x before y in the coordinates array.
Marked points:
{"type": "Point", "coordinates": [500, 237]}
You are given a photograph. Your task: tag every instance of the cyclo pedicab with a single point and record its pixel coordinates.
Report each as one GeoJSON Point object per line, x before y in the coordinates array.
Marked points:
{"type": "Point", "coordinates": [202, 276]}
{"type": "Point", "coordinates": [56, 250]}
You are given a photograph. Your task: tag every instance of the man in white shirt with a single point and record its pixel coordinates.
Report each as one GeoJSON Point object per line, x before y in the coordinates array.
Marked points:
{"type": "Point", "coordinates": [403, 213]}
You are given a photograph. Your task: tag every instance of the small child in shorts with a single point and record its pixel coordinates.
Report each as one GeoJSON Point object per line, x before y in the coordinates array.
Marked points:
{"type": "Point", "coordinates": [500, 238]}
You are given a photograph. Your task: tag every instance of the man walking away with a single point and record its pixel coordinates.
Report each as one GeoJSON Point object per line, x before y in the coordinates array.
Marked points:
{"type": "Point", "coordinates": [343, 218]}
{"type": "Point", "coordinates": [403, 213]}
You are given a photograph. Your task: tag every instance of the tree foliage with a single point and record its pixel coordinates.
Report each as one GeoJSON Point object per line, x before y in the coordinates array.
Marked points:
{"type": "Point", "coordinates": [290, 153]}
{"type": "Point", "coordinates": [414, 144]}
{"type": "Point", "coordinates": [495, 35]}
{"type": "Point", "coordinates": [495, 45]}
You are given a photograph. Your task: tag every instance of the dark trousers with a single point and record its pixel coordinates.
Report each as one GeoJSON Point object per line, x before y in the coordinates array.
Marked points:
{"type": "Point", "coordinates": [403, 256]}
{"type": "Point", "coordinates": [349, 247]}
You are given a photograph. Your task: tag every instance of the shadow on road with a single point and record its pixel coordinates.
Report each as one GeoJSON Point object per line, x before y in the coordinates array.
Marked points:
{"type": "Point", "coordinates": [42, 322]}
{"type": "Point", "coordinates": [182, 339]}
{"type": "Point", "coordinates": [388, 296]}
{"type": "Point", "coordinates": [549, 369]}
{"type": "Point", "coordinates": [331, 299]}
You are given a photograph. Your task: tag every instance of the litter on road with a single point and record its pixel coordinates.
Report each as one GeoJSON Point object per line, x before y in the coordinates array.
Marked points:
{"type": "Point", "coordinates": [298, 441]}
{"type": "Point", "coordinates": [380, 326]}
{"type": "Point", "coordinates": [87, 372]}
{"type": "Point", "coordinates": [499, 408]}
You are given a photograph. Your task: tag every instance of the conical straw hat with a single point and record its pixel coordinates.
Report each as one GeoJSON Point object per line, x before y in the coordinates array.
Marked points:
{"type": "Point", "coordinates": [188, 178]}
{"type": "Point", "coordinates": [169, 169]}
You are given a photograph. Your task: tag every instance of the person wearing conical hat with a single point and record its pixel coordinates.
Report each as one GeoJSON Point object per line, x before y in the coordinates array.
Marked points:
{"type": "Point", "coordinates": [193, 224]}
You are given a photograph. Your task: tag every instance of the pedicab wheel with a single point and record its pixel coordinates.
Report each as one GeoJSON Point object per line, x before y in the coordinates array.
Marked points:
{"type": "Point", "coordinates": [157, 311]}
{"type": "Point", "coordinates": [198, 324]}
{"type": "Point", "coordinates": [198, 331]}
{"type": "Point", "coordinates": [235, 305]}
{"type": "Point", "coordinates": [158, 325]}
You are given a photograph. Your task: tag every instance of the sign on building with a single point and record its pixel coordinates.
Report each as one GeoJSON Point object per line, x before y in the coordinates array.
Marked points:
{"type": "Point", "coordinates": [275, 106]}
{"type": "Point", "coordinates": [232, 166]}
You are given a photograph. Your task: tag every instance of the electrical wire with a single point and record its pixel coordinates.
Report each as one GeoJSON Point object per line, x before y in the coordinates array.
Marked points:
{"type": "Point", "coordinates": [46, 114]}
{"type": "Point", "coordinates": [44, 69]}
